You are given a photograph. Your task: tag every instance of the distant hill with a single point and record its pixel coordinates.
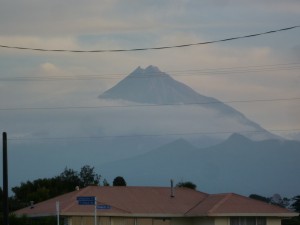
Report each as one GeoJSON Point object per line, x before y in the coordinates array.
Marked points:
{"type": "Point", "coordinates": [152, 110]}
{"type": "Point", "coordinates": [235, 165]}
{"type": "Point", "coordinates": [152, 86]}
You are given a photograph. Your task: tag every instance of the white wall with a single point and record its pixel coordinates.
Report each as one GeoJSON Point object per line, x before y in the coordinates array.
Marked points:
{"type": "Point", "coordinates": [273, 221]}
{"type": "Point", "coordinates": [222, 221]}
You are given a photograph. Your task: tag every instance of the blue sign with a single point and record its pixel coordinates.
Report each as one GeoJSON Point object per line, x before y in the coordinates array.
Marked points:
{"type": "Point", "coordinates": [103, 207]}
{"type": "Point", "coordinates": [85, 198]}
{"type": "Point", "coordinates": [86, 202]}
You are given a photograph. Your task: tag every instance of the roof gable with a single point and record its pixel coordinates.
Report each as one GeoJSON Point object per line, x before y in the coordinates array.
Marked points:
{"type": "Point", "coordinates": [235, 205]}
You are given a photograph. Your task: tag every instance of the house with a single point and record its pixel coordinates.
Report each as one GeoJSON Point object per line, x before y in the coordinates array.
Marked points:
{"type": "Point", "coordinates": [157, 206]}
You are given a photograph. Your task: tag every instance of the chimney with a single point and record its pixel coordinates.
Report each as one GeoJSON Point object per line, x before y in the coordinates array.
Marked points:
{"type": "Point", "coordinates": [172, 189]}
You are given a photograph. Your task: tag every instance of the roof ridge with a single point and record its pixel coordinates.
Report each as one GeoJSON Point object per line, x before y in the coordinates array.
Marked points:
{"type": "Point", "coordinates": [198, 203]}
{"type": "Point", "coordinates": [73, 194]}
{"type": "Point", "coordinates": [227, 196]}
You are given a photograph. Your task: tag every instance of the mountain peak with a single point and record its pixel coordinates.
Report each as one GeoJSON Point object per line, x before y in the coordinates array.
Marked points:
{"type": "Point", "coordinates": [154, 87]}
{"type": "Point", "coordinates": [152, 69]}
{"type": "Point", "coordinates": [149, 72]}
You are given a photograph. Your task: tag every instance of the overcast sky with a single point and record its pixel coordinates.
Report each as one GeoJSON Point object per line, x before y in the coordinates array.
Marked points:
{"type": "Point", "coordinates": [258, 68]}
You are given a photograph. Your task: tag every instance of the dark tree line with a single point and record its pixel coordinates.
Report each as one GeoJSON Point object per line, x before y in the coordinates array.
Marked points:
{"type": "Point", "coordinates": [187, 184]}
{"type": "Point", "coordinates": [276, 199]}
{"type": "Point", "coordinates": [290, 203]}
{"type": "Point", "coordinates": [46, 188]}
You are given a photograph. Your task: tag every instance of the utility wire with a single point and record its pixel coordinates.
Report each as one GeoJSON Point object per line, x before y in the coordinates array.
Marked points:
{"type": "Point", "coordinates": [150, 48]}
{"type": "Point", "coordinates": [150, 135]}
{"type": "Point", "coordinates": [176, 73]}
{"type": "Point", "coordinates": [148, 105]}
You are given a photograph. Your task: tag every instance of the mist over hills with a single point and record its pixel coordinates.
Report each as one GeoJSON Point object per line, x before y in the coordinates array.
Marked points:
{"type": "Point", "coordinates": [160, 129]}
{"type": "Point", "coordinates": [245, 162]}
{"type": "Point", "coordinates": [152, 86]}
{"type": "Point", "coordinates": [236, 165]}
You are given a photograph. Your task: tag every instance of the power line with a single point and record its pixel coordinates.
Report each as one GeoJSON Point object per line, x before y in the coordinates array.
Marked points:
{"type": "Point", "coordinates": [78, 138]}
{"type": "Point", "coordinates": [176, 73]}
{"type": "Point", "coordinates": [150, 48]}
{"type": "Point", "coordinates": [149, 105]}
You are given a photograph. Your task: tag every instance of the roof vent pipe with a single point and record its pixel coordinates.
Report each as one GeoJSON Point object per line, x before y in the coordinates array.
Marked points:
{"type": "Point", "coordinates": [172, 189]}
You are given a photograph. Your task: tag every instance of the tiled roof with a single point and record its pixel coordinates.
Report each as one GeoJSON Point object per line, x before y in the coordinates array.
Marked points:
{"type": "Point", "coordinates": [155, 202]}
{"type": "Point", "coordinates": [231, 204]}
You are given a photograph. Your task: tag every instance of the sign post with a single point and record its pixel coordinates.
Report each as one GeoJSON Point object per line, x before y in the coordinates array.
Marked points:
{"type": "Point", "coordinates": [5, 181]}
{"type": "Point", "coordinates": [95, 210]}
{"type": "Point", "coordinates": [89, 200]}
{"type": "Point", "coordinates": [57, 212]}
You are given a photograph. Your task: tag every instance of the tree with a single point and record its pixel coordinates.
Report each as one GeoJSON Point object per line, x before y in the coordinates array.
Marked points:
{"type": "Point", "coordinates": [119, 181]}
{"type": "Point", "coordinates": [43, 189]}
{"type": "Point", "coordinates": [70, 175]}
{"type": "Point", "coordinates": [105, 182]}
{"type": "Point", "coordinates": [88, 176]}
{"type": "Point", "coordinates": [69, 179]}
{"type": "Point", "coordinates": [296, 204]}
{"type": "Point", "coordinates": [260, 198]}
{"type": "Point", "coordinates": [1, 199]}
{"type": "Point", "coordinates": [1, 194]}
{"type": "Point", "coordinates": [187, 184]}
{"type": "Point", "coordinates": [276, 199]}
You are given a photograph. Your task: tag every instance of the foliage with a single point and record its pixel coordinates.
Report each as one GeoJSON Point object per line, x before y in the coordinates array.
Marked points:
{"type": "Point", "coordinates": [260, 198]}
{"type": "Point", "coordinates": [187, 184]}
{"type": "Point", "coordinates": [296, 204]}
{"type": "Point", "coordinates": [1, 194]}
{"type": "Point", "coordinates": [276, 199]}
{"type": "Point", "coordinates": [291, 221]}
{"type": "Point", "coordinates": [70, 178]}
{"type": "Point", "coordinates": [1, 199]}
{"type": "Point", "coordinates": [105, 182]}
{"type": "Point", "coordinates": [282, 202]}
{"type": "Point", "coordinates": [119, 181]}
{"type": "Point", "coordinates": [43, 189]}
{"type": "Point", "coordinates": [88, 176]}
{"type": "Point", "coordinates": [24, 220]}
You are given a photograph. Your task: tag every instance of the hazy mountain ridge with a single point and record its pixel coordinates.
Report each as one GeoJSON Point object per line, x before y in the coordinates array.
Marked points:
{"type": "Point", "coordinates": [151, 86]}
{"type": "Point", "coordinates": [235, 165]}
{"type": "Point", "coordinates": [134, 135]}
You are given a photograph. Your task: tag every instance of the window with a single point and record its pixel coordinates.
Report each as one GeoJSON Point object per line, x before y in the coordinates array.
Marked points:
{"type": "Point", "coordinates": [261, 221]}
{"type": "Point", "coordinates": [248, 221]}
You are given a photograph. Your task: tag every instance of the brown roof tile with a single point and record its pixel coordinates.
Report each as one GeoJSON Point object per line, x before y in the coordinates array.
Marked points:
{"type": "Point", "coordinates": [154, 201]}
{"type": "Point", "coordinates": [231, 204]}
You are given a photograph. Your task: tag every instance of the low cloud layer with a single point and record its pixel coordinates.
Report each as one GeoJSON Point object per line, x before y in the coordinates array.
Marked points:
{"type": "Point", "coordinates": [41, 79]}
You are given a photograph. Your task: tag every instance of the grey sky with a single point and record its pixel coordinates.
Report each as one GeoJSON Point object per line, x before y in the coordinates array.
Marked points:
{"type": "Point", "coordinates": [113, 24]}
